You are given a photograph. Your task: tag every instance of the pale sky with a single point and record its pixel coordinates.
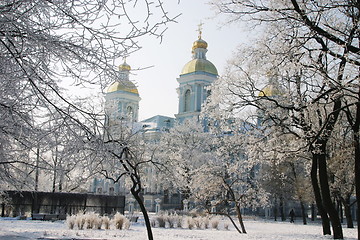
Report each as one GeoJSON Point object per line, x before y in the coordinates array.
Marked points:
{"type": "Point", "coordinates": [157, 85]}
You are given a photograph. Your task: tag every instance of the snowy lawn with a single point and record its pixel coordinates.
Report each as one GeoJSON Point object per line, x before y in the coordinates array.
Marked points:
{"type": "Point", "coordinates": [11, 229]}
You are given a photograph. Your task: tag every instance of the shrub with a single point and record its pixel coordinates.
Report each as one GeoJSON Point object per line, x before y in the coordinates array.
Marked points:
{"type": "Point", "coordinates": [198, 222]}
{"type": "Point", "coordinates": [106, 222]}
{"type": "Point", "coordinates": [171, 219]}
{"type": "Point", "coordinates": [215, 223]}
{"type": "Point", "coordinates": [161, 219]}
{"type": "Point", "coordinates": [153, 223]}
{"type": "Point", "coordinates": [206, 222]}
{"type": "Point", "coordinates": [91, 218]}
{"type": "Point", "coordinates": [190, 222]}
{"type": "Point", "coordinates": [98, 222]}
{"type": "Point", "coordinates": [127, 224]}
{"type": "Point", "coordinates": [226, 226]}
{"type": "Point", "coordinates": [70, 221]}
{"type": "Point", "coordinates": [179, 221]}
{"type": "Point", "coordinates": [80, 221]}
{"type": "Point", "coordinates": [119, 221]}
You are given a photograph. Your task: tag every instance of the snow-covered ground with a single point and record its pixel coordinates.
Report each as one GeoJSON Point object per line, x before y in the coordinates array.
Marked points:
{"type": "Point", "coordinates": [12, 229]}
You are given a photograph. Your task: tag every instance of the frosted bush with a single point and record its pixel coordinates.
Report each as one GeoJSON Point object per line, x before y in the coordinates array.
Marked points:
{"type": "Point", "coordinates": [215, 223]}
{"type": "Point", "coordinates": [206, 222]}
{"type": "Point", "coordinates": [98, 222]}
{"type": "Point", "coordinates": [153, 223]}
{"type": "Point", "coordinates": [179, 221]}
{"type": "Point", "coordinates": [70, 221]}
{"type": "Point", "coordinates": [106, 222]}
{"type": "Point", "coordinates": [190, 222]}
{"type": "Point", "coordinates": [161, 219]}
{"type": "Point", "coordinates": [197, 222]}
{"type": "Point", "coordinates": [171, 219]}
{"type": "Point", "coordinates": [91, 218]}
{"type": "Point", "coordinates": [120, 221]}
{"type": "Point", "coordinates": [127, 224]}
{"type": "Point", "coordinates": [226, 226]}
{"type": "Point", "coordinates": [80, 221]}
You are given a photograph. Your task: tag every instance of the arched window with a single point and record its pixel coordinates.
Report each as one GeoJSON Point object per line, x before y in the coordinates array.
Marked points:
{"type": "Point", "coordinates": [187, 101]}
{"type": "Point", "coordinates": [129, 111]}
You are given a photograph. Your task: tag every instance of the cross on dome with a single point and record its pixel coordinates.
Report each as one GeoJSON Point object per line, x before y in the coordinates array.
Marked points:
{"type": "Point", "coordinates": [200, 29]}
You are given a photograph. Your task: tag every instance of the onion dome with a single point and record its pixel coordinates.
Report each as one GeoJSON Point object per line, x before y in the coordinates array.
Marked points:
{"type": "Point", "coordinates": [272, 88]}
{"type": "Point", "coordinates": [199, 65]}
{"type": "Point", "coordinates": [124, 67]}
{"type": "Point", "coordinates": [123, 83]}
{"type": "Point", "coordinates": [126, 86]}
{"type": "Point", "coordinates": [199, 44]}
{"type": "Point", "coordinates": [269, 91]}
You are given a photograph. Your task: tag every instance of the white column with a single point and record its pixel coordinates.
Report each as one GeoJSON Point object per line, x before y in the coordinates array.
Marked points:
{"type": "Point", "coordinates": [186, 205]}
{"type": "Point", "coordinates": [157, 206]}
{"type": "Point", "coordinates": [213, 206]}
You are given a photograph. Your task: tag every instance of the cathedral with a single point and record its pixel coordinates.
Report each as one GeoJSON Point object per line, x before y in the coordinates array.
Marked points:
{"type": "Point", "coordinates": [122, 105]}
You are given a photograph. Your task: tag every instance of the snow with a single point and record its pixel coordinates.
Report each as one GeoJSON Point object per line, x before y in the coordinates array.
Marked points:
{"type": "Point", "coordinates": [12, 229]}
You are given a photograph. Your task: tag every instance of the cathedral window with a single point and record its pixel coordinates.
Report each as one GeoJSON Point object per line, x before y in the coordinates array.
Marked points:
{"type": "Point", "coordinates": [187, 101]}
{"type": "Point", "coordinates": [129, 111]}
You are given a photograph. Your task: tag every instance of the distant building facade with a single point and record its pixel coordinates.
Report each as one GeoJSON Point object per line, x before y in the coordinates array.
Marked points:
{"type": "Point", "coordinates": [122, 106]}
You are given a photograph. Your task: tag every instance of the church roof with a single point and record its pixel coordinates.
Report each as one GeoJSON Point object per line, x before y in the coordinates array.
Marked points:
{"type": "Point", "coordinates": [123, 83]}
{"type": "Point", "coordinates": [199, 65]}
{"type": "Point", "coordinates": [126, 86]}
{"type": "Point", "coordinates": [158, 123]}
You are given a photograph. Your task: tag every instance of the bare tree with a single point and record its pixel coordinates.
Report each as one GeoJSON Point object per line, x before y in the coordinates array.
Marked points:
{"type": "Point", "coordinates": [43, 43]}
{"type": "Point", "coordinates": [319, 38]}
{"type": "Point", "coordinates": [46, 45]}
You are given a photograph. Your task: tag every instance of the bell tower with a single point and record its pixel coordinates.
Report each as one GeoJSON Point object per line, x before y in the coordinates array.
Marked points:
{"type": "Point", "coordinates": [194, 79]}
{"type": "Point", "coordinates": [121, 101]}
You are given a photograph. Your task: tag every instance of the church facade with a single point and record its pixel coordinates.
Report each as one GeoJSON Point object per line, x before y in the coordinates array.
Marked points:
{"type": "Point", "coordinates": [122, 106]}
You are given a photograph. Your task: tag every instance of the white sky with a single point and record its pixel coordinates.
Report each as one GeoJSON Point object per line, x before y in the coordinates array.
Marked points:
{"type": "Point", "coordinates": [157, 85]}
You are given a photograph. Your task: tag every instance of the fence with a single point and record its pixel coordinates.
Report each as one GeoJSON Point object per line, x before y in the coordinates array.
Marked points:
{"type": "Point", "coordinates": [19, 203]}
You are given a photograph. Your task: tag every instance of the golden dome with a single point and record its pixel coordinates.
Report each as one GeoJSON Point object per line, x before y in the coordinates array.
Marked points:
{"type": "Point", "coordinates": [124, 67]}
{"type": "Point", "coordinates": [269, 91]}
{"type": "Point", "coordinates": [126, 86]}
{"type": "Point", "coordinates": [199, 44]}
{"type": "Point", "coordinates": [199, 65]}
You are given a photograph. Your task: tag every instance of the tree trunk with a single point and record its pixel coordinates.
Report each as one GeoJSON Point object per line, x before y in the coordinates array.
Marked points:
{"type": "Point", "coordinates": [238, 212]}
{"type": "Point", "coordinates": [325, 193]}
{"type": "Point", "coordinates": [275, 209]}
{"type": "Point", "coordinates": [314, 180]}
{"type": "Point", "coordinates": [144, 212]}
{"type": "Point", "coordinates": [313, 212]}
{"type": "Point", "coordinates": [340, 210]}
{"type": "Point", "coordinates": [357, 176]}
{"type": "Point", "coordinates": [303, 212]}
{"type": "Point", "coordinates": [37, 168]}
{"type": "Point", "coordinates": [355, 124]}
{"type": "Point", "coordinates": [347, 209]}
{"type": "Point", "coordinates": [282, 214]}
{"type": "Point", "coordinates": [230, 218]}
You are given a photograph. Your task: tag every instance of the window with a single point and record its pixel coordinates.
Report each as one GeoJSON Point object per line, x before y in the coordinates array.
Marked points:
{"type": "Point", "coordinates": [129, 111]}
{"type": "Point", "coordinates": [187, 101]}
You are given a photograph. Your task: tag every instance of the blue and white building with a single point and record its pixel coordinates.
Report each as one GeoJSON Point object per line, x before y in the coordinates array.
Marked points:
{"type": "Point", "coordinates": [122, 107]}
